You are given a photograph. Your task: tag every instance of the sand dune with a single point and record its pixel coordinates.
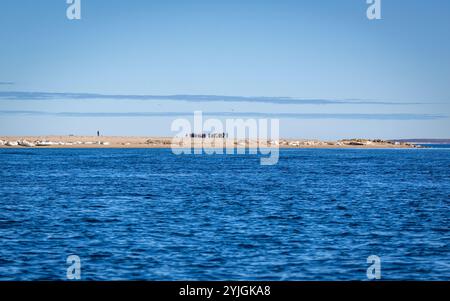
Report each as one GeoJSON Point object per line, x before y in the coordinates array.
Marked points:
{"type": "Point", "coordinates": [165, 142]}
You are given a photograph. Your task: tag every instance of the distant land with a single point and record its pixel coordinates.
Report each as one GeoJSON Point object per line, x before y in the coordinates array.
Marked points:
{"type": "Point", "coordinates": [423, 141]}
{"type": "Point", "coordinates": [208, 142]}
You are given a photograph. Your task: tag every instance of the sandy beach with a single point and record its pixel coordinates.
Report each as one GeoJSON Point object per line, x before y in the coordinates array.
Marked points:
{"type": "Point", "coordinates": [166, 142]}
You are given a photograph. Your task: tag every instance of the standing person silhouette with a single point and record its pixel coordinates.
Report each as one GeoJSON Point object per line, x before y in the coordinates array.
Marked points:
{"type": "Point", "coordinates": [98, 133]}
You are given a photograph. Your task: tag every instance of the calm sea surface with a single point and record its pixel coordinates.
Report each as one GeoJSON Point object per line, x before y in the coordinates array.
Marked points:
{"type": "Point", "coordinates": [149, 214]}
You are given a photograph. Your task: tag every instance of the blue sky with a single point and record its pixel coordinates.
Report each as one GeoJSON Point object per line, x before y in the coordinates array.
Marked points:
{"type": "Point", "coordinates": [348, 76]}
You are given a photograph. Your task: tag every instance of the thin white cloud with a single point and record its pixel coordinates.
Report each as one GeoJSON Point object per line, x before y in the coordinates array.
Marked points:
{"type": "Point", "coordinates": [348, 116]}
{"type": "Point", "coordinates": [20, 95]}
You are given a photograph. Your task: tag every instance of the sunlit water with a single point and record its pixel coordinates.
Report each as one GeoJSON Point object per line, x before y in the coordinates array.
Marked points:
{"type": "Point", "coordinates": [149, 214]}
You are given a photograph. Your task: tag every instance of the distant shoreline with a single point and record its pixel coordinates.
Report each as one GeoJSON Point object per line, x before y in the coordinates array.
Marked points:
{"type": "Point", "coordinates": [166, 142]}
{"type": "Point", "coordinates": [424, 141]}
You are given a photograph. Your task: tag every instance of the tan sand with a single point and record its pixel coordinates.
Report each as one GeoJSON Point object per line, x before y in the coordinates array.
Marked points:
{"type": "Point", "coordinates": [165, 142]}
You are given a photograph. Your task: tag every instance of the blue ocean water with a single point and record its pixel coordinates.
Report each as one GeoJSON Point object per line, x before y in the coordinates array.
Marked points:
{"type": "Point", "coordinates": [148, 214]}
